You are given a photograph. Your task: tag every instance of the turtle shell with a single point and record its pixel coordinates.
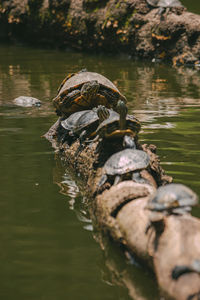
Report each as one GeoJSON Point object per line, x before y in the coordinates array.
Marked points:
{"type": "Point", "coordinates": [77, 80]}
{"type": "Point", "coordinates": [87, 120]}
{"type": "Point", "coordinates": [110, 126]}
{"type": "Point", "coordinates": [172, 196]}
{"type": "Point", "coordinates": [27, 101]}
{"type": "Point", "coordinates": [71, 121]}
{"type": "Point", "coordinates": [125, 161]}
{"type": "Point", "coordinates": [64, 80]}
{"type": "Point", "coordinates": [169, 3]}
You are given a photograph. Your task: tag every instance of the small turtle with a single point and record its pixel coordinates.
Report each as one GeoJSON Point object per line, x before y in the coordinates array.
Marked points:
{"type": "Point", "coordinates": [125, 164]}
{"type": "Point", "coordinates": [183, 269]}
{"type": "Point", "coordinates": [26, 101]}
{"type": "Point", "coordinates": [82, 123]}
{"type": "Point", "coordinates": [164, 5]}
{"type": "Point", "coordinates": [85, 90]}
{"type": "Point", "coordinates": [89, 121]}
{"type": "Point", "coordinates": [67, 125]}
{"type": "Point", "coordinates": [173, 198]}
{"type": "Point", "coordinates": [119, 125]}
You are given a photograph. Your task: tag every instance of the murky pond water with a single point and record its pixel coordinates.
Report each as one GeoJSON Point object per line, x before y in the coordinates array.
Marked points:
{"type": "Point", "coordinates": [47, 247]}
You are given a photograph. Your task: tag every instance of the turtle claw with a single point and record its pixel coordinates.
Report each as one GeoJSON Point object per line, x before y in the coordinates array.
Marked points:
{"type": "Point", "coordinates": [102, 181]}
{"type": "Point", "coordinates": [117, 180]}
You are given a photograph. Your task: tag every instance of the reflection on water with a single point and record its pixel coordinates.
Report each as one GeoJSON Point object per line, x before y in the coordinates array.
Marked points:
{"type": "Point", "coordinates": [46, 250]}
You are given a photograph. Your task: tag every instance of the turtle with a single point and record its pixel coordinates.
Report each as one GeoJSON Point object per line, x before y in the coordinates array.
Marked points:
{"type": "Point", "coordinates": [164, 5]}
{"type": "Point", "coordinates": [82, 123]}
{"type": "Point", "coordinates": [89, 121]}
{"type": "Point", "coordinates": [26, 101]}
{"type": "Point", "coordinates": [67, 125]}
{"type": "Point", "coordinates": [183, 269]}
{"type": "Point", "coordinates": [85, 90]}
{"type": "Point", "coordinates": [173, 198]}
{"type": "Point", "coordinates": [119, 125]}
{"type": "Point", "coordinates": [125, 164]}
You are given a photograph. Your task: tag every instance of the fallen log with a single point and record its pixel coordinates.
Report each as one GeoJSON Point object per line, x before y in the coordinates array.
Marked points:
{"type": "Point", "coordinates": [120, 211]}
{"type": "Point", "coordinates": [132, 26]}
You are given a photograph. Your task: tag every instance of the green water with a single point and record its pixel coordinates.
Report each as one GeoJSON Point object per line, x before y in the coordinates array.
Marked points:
{"type": "Point", "coordinates": [48, 250]}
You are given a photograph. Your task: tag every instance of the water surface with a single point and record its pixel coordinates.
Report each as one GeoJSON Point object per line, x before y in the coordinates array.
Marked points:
{"type": "Point", "coordinates": [48, 250]}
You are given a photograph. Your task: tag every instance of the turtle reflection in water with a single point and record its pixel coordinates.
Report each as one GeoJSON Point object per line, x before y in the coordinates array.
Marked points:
{"type": "Point", "coordinates": [125, 164]}
{"type": "Point", "coordinates": [164, 5]}
{"type": "Point", "coordinates": [85, 90]}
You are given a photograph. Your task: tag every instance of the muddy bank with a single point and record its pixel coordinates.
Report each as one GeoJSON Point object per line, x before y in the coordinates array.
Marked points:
{"type": "Point", "coordinates": [120, 212]}
{"type": "Point", "coordinates": [131, 27]}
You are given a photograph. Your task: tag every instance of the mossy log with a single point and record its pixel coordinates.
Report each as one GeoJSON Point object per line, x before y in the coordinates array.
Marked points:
{"type": "Point", "coordinates": [130, 26]}
{"type": "Point", "coordinates": [120, 211]}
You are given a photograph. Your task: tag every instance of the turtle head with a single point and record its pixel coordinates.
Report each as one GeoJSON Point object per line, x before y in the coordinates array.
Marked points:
{"type": "Point", "coordinates": [103, 113]}
{"type": "Point", "coordinates": [122, 110]}
{"type": "Point", "coordinates": [90, 89]}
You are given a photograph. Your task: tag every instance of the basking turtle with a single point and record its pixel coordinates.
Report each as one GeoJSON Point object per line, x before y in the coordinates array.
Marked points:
{"type": "Point", "coordinates": [125, 164]}
{"type": "Point", "coordinates": [67, 125]}
{"type": "Point", "coordinates": [119, 125]}
{"type": "Point", "coordinates": [164, 5]}
{"type": "Point", "coordinates": [88, 122]}
{"type": "Point", "coordinates": [82, 123]}
{"type": "Point", "coordinates": [174, 198]}
{"type": "Point", "coordinates": [26, 101]}
{"type": "Point", "coordinates": [86, 90]}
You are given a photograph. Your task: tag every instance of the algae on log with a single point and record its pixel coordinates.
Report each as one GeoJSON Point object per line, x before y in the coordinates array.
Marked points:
{"type": "Point", "coordinates": [130, 26]}
{"type": "Point", "coordinates": [121, 212]}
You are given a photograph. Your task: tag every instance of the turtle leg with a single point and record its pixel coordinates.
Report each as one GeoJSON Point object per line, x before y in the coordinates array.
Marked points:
{"type": "Point", "coordinates": [102, 181]}
{"type": "Point", "coordinates": [137, 178]}
{"type": "Point", "coordinates": [81, 139]}
{"type": "Point", "coordinates": [117, 180]}
{"type": "Point", "coordinates": [89, 91]}
{"type": "Point", "coordinates": [99, 145]}
{"type": "Point", "coordinates": [161, 11]}
{"type": "Point", "coordinates": [103, 113]}
{"type": "Point", "coordinates": [81, 102]}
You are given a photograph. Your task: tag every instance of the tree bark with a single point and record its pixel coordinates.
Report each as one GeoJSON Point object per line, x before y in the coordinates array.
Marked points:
{"type": "Point", "coordinates": [130, 26]}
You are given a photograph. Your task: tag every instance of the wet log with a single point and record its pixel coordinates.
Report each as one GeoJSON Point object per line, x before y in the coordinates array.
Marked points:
{"type": "Point", "coordinates": [120, 212]}
{"type": "Point", "coordinates": [131, 27]}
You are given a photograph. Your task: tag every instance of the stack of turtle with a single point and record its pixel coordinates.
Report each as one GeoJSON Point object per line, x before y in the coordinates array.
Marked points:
{"type": "Point", "coordinates": [93, 113]}
{"type": "Point", "coordinates": [91, 109]}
